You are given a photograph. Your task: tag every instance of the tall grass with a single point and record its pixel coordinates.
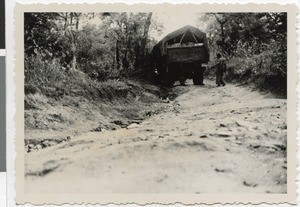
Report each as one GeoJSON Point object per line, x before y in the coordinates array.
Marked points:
{"type": "Point", "coordinates": [52, 79]}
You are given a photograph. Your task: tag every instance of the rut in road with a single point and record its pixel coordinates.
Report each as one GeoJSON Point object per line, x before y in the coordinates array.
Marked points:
{"type": "Point", "coordinates": [210, 140]}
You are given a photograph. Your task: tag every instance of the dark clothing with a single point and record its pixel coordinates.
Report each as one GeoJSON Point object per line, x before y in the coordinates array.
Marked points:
{"type": "Point", "coordinates": [201, 75]}
{"type": "Point", "coordinates": [221, 69]}
{"type": "Point", "coordinates": [219, 79]}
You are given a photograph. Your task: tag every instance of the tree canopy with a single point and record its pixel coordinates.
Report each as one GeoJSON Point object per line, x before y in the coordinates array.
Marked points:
{"type": "Point", "coordinates": [102, 45]}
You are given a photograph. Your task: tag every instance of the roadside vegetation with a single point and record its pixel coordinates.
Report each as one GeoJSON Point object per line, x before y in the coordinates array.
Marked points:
{"type": "Point", "coordinates": [87, 72]}
{"type": "Point", "coordinates": [79, 53]}
{"type": "Point", "coordinates": [69, 51]}
{"type": "Point", "coordinates": [254, 44]}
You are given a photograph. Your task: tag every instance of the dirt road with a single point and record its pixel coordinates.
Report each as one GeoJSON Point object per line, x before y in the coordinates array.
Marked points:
{"type": "Point", "coordinates": [209, 140]}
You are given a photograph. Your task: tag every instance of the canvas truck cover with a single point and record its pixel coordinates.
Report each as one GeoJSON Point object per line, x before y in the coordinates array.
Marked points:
{"type": "Point", "coordinates": [187, 33]}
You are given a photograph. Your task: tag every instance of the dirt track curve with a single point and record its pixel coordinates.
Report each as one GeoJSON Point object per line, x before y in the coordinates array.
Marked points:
{"type": "Point", "coordinates": [210, 140]}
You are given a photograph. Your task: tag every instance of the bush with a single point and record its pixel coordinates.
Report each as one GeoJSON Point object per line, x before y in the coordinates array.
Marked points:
{"type": "Point", "coordinates": [42, 72]}
{"type": "Point", "coordinates": [266, 69]}
{"type": "Point", "coordinates": [51, 79]}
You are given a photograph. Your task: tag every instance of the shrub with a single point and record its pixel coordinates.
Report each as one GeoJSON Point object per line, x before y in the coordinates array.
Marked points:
{"type": "Point", "coordinates": [267, 69]}
{"type": "Point", "coordinates": [42, 72]}
{"type": "Point", "coordinates": [51, 79]}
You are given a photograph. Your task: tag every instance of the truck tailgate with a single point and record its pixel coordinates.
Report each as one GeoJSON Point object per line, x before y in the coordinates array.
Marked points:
{"type": "Point", "coordinates": [186, 54]}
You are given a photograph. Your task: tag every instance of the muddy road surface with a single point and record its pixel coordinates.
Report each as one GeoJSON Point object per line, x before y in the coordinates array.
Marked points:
{"type": "Point", "coordinates": [209, 140]}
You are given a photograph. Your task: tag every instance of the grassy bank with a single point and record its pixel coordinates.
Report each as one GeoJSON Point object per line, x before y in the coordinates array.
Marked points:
{"type": "Point", "coordinates": [122, 99]}
{"type": "Point", "coordinates": [58, 114]}
{"type": "Point", "coordinates": [61, 104]}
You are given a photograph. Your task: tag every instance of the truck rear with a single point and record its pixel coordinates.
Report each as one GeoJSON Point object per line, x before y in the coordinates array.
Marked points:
{"type": "Point", "coordinates": [182, 55]}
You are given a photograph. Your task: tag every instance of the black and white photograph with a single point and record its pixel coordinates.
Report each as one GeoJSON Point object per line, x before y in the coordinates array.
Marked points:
{"type": "Point", "coordinates": [155, 102]}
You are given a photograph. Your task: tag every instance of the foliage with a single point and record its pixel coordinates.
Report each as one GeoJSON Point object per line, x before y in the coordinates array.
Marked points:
{"type": "Point", "coordinates": [40, 34]}
{"type": "Point", "coordinates": [255, 44]}
{"type": "Point", "coordinates": [53, 81]}
{"type": "Point", "coordinates": [104, 46]}
{"type": "Point", "coordinates": [117, 46]}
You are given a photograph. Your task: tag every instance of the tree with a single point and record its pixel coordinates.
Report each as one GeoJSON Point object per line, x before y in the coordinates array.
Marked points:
{"type": "Point", "coordinates": [145, 36]}
{"type": "Point", "coordinates": [117, 45]}
{"type": "Point", "coordinates": [40, 33]}
{"type": "Point", "coordinates": [251, 29]}
{"type": "Point", "coordinates": [130, 32]}
{"type": "Point", "coordinates": [222, 19]}
{"type": "Point", "coordinates": [71, 23]}
{"type": "Point", "coordinates": [255, 44]}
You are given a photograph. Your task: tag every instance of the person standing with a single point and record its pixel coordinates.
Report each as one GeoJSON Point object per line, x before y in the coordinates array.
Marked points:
{"type": "Point", "coordinates": [220, 70]}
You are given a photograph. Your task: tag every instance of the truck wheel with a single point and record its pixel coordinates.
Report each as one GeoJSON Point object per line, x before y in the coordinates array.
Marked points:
{"type": "Point", "coordinates": [195, 81]}
{"type": "Point", "coordinates": [198, 77]}
{"type": "Point", "coordinates": [182, 81]}
{"type": "Point", "coordinates": [169, 82]}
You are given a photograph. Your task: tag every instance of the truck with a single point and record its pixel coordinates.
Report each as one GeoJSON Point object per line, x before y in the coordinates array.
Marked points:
{"type": "Point", "coordinates": [182, 54]}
